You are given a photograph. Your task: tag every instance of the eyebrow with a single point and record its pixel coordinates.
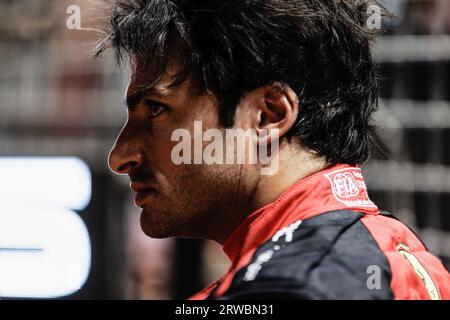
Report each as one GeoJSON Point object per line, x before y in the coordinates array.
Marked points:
{"type": "Point", "coordinates": [132, 100]}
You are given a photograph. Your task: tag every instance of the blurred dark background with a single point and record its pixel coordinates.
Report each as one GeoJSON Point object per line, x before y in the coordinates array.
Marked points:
{"type": "Point", "coordinates": [57, 101]}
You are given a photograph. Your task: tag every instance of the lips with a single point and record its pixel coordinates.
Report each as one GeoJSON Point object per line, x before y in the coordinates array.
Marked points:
{"type": "Point", "coordinates": [142, 193]}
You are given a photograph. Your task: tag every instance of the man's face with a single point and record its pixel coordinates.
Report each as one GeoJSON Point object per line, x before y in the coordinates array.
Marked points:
{"type": "Point", "coordinates": [176, 200]}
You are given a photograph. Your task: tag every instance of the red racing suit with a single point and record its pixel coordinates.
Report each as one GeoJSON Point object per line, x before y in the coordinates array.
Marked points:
{"type": "Point", "coordinates": [325, 239]}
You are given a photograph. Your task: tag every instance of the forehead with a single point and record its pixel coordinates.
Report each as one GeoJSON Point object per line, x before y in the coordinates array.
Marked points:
{"type": "Point", "coordinates": [145, 79]}
{"type": "Point", "coordinates": [167, 89]}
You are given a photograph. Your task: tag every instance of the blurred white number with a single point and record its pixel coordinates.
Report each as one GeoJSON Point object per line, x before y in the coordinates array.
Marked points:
{"type": "Point", "coordinates": [45, 249]}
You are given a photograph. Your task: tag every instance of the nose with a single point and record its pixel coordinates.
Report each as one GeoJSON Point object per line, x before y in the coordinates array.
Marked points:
{"type": "Point", "coordinates": [124, 156]}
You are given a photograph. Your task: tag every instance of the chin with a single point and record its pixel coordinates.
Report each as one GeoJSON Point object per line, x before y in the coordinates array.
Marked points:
{"type": "Point", "coordinates": [162, 225]}
{"type": "Point", "coordinates": [154, 228]}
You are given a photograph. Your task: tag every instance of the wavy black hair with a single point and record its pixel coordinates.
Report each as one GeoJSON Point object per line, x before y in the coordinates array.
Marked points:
{"type": "Point", "coordinates": [320, 48]}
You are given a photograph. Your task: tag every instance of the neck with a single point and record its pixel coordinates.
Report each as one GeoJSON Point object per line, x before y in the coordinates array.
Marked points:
{"type": "Point", "coordinates": [294, 165]}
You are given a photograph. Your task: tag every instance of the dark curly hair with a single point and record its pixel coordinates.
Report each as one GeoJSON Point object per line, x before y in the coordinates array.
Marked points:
{"type": "Point", "coordinates": [320, 48]}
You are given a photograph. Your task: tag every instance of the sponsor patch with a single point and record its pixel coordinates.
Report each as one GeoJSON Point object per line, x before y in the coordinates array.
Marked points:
{"type": "Point", "coordinates": [349, 188]}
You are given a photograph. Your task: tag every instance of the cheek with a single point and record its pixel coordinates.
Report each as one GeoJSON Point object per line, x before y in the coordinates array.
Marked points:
{"type": "Point", "coordinates": [157, 143]}
{"type": "Point", "coordinates": [158, 153]}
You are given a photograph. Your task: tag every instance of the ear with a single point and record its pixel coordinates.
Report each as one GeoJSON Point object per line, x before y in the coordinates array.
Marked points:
{"type": "Point", "coordinates": [277, 110]}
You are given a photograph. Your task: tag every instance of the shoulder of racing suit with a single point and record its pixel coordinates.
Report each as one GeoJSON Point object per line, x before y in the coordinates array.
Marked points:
{"type": "Point", "coordinates": [330, 256]}
{"type": "Point", "coordinates": [323, 238]}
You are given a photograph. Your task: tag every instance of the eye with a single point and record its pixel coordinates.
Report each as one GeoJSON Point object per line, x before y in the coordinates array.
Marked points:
{"type": "Point", "coordinates": [155, 107]}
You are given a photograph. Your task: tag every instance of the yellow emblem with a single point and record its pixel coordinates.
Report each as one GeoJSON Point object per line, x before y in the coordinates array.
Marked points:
{"type": "Point", "coordinates": [420, 270]}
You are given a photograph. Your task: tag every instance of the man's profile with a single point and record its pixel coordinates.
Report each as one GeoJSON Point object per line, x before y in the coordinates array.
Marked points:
{"type": "Point", "coordinates": [300, 76]}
